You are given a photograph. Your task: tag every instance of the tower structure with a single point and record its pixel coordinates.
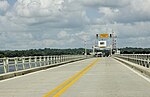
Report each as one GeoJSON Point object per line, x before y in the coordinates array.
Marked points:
{"type": "Point", "coordinates": [114, 40]}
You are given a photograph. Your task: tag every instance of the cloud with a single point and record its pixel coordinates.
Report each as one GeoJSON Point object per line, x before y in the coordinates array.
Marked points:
{"type": "Point", "coordinates": [105, 3]}
{"type": "Point", "coordinates": [63, 34]}
{"type": "Point", "coordinates": [124, 11]}
{"type": "Point", "coordinates": [136, 34]}
{"type": "Point", "coordinates": [127, 12]}
{"type": "Point", "coordinates": [52, 13]}
{"type": "Point", "coordinates": [67, 23]}
{"type": "Point", "coordinates": [4, 5]}
{"type": "Point", "coordinates": [136, 11]}
{"type": "Point", "coordinates": [37, 8]}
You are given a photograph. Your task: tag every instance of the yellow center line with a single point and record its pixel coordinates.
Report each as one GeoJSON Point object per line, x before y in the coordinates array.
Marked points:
{"type": "Point", "coordinates": [56, 92]}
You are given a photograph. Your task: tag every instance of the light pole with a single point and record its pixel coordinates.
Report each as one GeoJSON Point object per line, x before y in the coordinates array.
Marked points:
{"type": "Point", "coordinates": [84, 40]}
{"type": "Point", "coordinates": [85, 48]}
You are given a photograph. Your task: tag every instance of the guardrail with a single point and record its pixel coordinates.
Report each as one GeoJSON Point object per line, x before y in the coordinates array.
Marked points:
{"type": "Point", "coordinates": [140, 59]}
{"type": "Point", "coordinates": [10, 65]}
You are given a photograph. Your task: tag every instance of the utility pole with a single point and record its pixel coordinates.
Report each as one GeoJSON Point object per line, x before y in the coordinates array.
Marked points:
{"type": "Point", "coordinates": [85, 48]}
{"type": "Point", "coordinates": [93, 47]}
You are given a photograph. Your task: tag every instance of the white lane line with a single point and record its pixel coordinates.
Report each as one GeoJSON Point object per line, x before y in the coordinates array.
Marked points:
{"type": "Point", "coordinates": [139, 74]}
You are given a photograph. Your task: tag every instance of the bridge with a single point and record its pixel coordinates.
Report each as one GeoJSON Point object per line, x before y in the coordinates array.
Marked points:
{"type": "Point", "coordinates": [75, 76]}
{"type": "Point", "coordinates": [74, 48]}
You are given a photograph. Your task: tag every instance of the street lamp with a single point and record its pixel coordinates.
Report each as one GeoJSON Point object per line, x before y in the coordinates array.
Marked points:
{"type": "Point", "coordinates": [85, 48]}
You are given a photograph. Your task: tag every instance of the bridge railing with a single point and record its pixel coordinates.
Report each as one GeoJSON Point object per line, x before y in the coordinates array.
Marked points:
{"type": "Point", "coordinates": [9, 65]}
{"type": "Point", "coordinates": [140, 59]}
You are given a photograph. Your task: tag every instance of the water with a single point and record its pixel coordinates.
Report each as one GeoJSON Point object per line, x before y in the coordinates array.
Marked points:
{"type": "Point", "coordinates": [1, 70]}
{"type": "Point", "coordinates": [19, 66]}
{"type": "Point", "coordinates": [11, 68]}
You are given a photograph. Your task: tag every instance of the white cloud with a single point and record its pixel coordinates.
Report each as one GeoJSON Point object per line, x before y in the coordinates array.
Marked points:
{"type": "Point", "coordinates": [52, 13]}
{"type": "Point", "coordinates": [137, 11]}
{"type": "Point", "coordinates": [4, 5]}
{"type": "Point", "coordinates": [38, 8]}
{"type": "Point", "coordinates": [108, 13]}
{"type": "Point", "coordinates": [63, 34]}
{"type": "Point", "coordinates": [105, 3]}
{"type": "Point", "coordinates": [41, 23]}
{"type": "Point", "coordinates": [124, 11]}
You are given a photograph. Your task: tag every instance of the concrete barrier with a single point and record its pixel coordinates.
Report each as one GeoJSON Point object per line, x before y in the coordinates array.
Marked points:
{"type": "Point", "coordinates": [54, 64]}
{"type": "Point", "coordinates": [137, 67]}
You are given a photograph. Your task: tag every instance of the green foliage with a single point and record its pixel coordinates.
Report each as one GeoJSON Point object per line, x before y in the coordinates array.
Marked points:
{"type": "Point", "coordinates": [131, 50]}
{"type": "Point", "coordinates": [42, 52]}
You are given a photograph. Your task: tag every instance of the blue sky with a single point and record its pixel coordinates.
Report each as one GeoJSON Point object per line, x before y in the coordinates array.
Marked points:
{"type": "Point", "coordinates": [12, 2]}
{"type": "Point", "coordinates": [29, 24]}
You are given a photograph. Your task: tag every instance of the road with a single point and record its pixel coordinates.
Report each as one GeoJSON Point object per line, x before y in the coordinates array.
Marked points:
{"type": "Point", "coordinates": [102, 77]}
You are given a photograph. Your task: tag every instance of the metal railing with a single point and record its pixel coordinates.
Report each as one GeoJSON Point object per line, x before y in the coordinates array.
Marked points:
{"type": "Point", "coordinates": [8, 65]}
{"type": "Point", "coordinates": [140, 59]}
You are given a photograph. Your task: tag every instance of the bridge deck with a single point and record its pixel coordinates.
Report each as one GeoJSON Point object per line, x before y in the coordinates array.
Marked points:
{"type": "Point", "coordinates": [105, 78]}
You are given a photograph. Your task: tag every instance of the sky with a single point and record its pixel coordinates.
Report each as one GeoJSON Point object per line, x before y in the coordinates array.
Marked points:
{"type": "Point", "coordinates": [34, 24]}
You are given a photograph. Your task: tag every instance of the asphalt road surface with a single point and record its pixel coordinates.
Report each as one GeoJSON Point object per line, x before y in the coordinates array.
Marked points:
{"type": "Point", "coordinates": [95, 77]}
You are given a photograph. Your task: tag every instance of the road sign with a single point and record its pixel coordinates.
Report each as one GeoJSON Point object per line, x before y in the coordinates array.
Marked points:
{"type": "Point", "coordinates": [102, 44]}
{"type": "Point", "coordinates": [104, 35]}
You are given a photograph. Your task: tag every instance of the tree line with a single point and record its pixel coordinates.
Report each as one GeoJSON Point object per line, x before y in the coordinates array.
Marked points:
{"type": "Point", "coordinates": [42, 52]}
{"type": "Point", "coordinates": [76, 51]}
{"type": "Point", "coordinates": [131, 50]}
